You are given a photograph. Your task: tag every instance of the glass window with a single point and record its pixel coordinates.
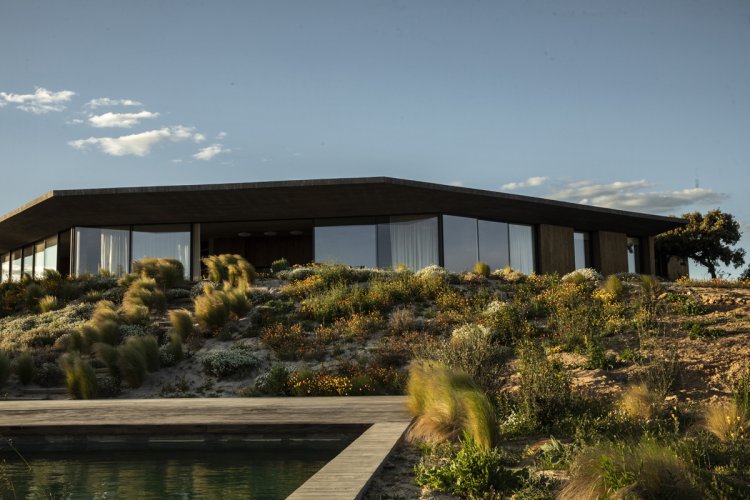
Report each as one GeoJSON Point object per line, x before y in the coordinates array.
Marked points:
{"type": "Point", "coordinates": [28, 260]}
{"type": "Point", "coordinates": [50, 253]}
{"type": "Point", "coordinates": [521, 248]}
{"type": "Point", "coordinates": [581, 249]}
{"type": "Point", "coordinates": [460, 251]}
{"type": "Point", "coordinates": [103, 249]}
{"type": "Point", "coordinates": [354, 245]}
{"type": "Point", "coordinates": [493, 244]}
{"type": "Point", "coordinates": [39, 259]}
{"type": "Point", "coordinates": [5, 268]}
{"type": "Point", "coordinates": [166, 241]}
{"type": "Point", "coordinates": [15, 266]}
{"type": "Point", "coordinates": [408, 240]}
{"type": "Point", "coordinates": [634, 256]}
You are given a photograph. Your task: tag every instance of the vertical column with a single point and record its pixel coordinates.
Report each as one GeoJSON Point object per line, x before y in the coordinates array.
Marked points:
{"type": "Point", "coordinates": [555, 249]}
{"type": "Point", "coordinates": [609, 252]}
{"type": "Point", "coordinates": [195, 252]}
{"type": "Point", "coordinates": [648, 259]}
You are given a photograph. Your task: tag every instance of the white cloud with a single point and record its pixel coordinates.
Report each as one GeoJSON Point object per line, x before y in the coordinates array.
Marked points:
{"type": "Point", "coordinates": [40, 102]}
{"type": "Point", "coordinates": [221, 135]}
{"type": "Point", "coordinates": [530, 182]}
{"type": "Point", "coordinates": [457, 183]}
{"type": "Point", "coordinates": [135, 144]}
{"type": "Point", "coordinates": [631, 195]}
{"type": "Point", "coordinates": [122, 120]}
{"type": "Point", "coordinates": [199, 137]}
{"type": "Point", "coordinates": [106, 101]}
{"type": "Point", "coordinates": [74, 121]}
{"type": "Point", "coordinates": [210, 151]}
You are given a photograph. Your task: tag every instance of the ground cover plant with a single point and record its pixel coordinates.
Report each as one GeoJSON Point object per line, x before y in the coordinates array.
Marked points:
{"type": "Point", "coordinates": [519, 383]}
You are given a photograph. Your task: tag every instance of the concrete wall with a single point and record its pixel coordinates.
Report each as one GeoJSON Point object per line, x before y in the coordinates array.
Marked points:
{"type": "Point", "coordinates": [609, 252]}
{"type": "Point", "coordinates": [555, 249]}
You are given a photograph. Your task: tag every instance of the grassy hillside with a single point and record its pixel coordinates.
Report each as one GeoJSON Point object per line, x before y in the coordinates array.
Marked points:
{"type": "Point", "coordinates": [644, 385]}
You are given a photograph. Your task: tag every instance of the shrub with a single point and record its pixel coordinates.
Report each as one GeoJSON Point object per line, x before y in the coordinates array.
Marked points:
{"type": "Point", "coordinates": [211, 311]}
{"type": "Point", "coordinates": [509, 275]}
{"type": "Point", "coordinates": [482, 269]}
{"type": "Point", "coordinates": [638, 401]}
{"type": "Point", "coordinates": [236, 300]}
{"type": "Point", "coordinates": [545, 387]}
{"type": "Point", "coordinates": [287, 341]}
{"type": "Point", "coordinates": [274, 382]}
{"type": "Point", "coordinates": [401, 320]}
{"type": "Point", "coordinates": [108, 355]}
{"type": "Point", "coordinates": [741, 391]}
{"type": "Point", "coordinates": [574, 315]}
{"type": "Point", "coordinates": [663, 373]}
{"type": "Point", "coordinates": [472, 349]}
{"type": "Point", "coordinates": [279, 265]}
{"type": "Point", "coordinates": [144, 291]}
{"type": "Point", "coordinates": [447, 402]}
{"type": "Point", "coordinates": [232, 268]}
{"type": "Point", "coordinates": [79, 376]}
{"type": "Point", "coordinates": [32, 293]}
{"type": "Point", "coordinates": [613, 286]}
{"type": "Point", "coordinates": [583, 275]}
{"type": "Point", "coordinates": [728, 422]}
{"type": "Point", "coordinates": [171, 352]}
{"type": "Point", "coordinates": [24, 367]}
{"type": "Point", "coordinates": [182, 322]}
{"type": "Point", "coordinates": [168, 273]}
{"type": "Point", "coordinates": [646, 470]}
{"type": "Point", "coordinates": [468, 471]}
{"type": "Point", "coordinates": [235, 361]}
{"type": "Point", "coordinates": [4, 368]}
{"type": "Point", "coordinates": [48, 303]}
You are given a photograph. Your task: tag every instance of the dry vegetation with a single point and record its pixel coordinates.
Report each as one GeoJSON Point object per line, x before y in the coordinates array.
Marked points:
{"type": "Point", "coordinates": [644, 385]}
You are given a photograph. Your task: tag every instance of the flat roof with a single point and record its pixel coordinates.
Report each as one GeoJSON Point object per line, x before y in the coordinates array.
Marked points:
{"type": "Point", "coordinates": [303, 199]}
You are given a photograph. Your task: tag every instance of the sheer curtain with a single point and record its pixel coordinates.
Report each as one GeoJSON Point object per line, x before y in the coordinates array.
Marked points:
{"type": "Point", "coordinates": [171, 242]}
{"type": "Point", "coordinates": [521, 248]}
{"type": "Point", "coordinates": [98, 249]}
{"type": "Point", "coordinates": [114, 251]}
{"type": "Point", "coordinates": [414, 241]}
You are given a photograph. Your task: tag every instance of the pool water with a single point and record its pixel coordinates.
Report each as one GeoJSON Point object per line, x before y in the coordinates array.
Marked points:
{"type": "Point", "coordinates": [219, 474]}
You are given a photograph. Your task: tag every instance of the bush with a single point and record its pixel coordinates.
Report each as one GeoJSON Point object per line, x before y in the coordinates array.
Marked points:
{"type": "Point", "coordinates": [168, 273]}
{"type": "Point", "coordinates": [472, 349]}
{"type": "Point", "coordinates": [741, 391]}
{"type": "Point", "coordinates": [613, 286]}
{"type": "Point", "coordinates": [211, 310]}
{"type": "Point", "coordinates": [576, 318]}
{"type": "Point", "coordinates": [232, 268]}
{"type": "Point", "coordinates": [482, 269]}
{"type": "Point", "coordinates": [274, 382]}
{"type": "Point", "coordinates": [4, 368]}
{"type": "Point", "coordinates": [447, 402]}
{"type": "Point", "coordinates": [728, 422]}
{"type": "Point", "coordinates": [663, 373]}
{"type": "Point", "coordinates": [182, 322]}
{"type": "Point", "coordinates": [24, 367]}
{"type": "Point", "coordinates": [468, 471]}
{"type": "Point", "coordinates": [48, 303]}
{"type": "Point", "coordinates": [646, 470]}
{"type": "Point", "coordinates": [79, 377]}
{"type": "Point", "coordinates": [235, 361]}
{"type": "Point", "coordinates": [287, 341]}
{"type": "Point", "coordinates": [143, 292]}
{"type": "Point", "coordinates": [172, 352]}
{"type": "Point", "coordinates": [279, 265]}
{"type": "Point", "coordinates": [236, 300]}
{"type": "Point", "coordinates": [583, 275]}
{"type": "Point", "coordinates": [108, 355]}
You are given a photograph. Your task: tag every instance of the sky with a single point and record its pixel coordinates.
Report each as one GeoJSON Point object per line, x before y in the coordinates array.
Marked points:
{"type": "Point", "coordinates": [637, 105]}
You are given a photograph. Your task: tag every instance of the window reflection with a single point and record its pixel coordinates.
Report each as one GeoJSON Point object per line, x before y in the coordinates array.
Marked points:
{"type": "Point", "coordinates": [354, 245]}
{"type": "Point", "coordinates": [581, 247]}
{"type": "Point", "coordinates": [493, 244]}
{"type": "Point", "coordinates": [103, 249]}
{"type": "Point", "coordinates": [28, 260]}
{"type": "Point", "coordinates": [521, 248]}
{"type": "Point", "coordinates": [5, 268]}
{"type": "Point", "coordinates": [16, 265]}
{"type": "Point", "coordinates": [407, 240]}
{"type": "Point", "coordinates": [50, 253]}
{"type": "Point", "coordinates": [39, 259]}
{"type": "Point", "coordinates": [171, 241]}
{"type": "Point", "coordinates": [634, 255]}
{"type": "Point", "coordinates": [460, 251]}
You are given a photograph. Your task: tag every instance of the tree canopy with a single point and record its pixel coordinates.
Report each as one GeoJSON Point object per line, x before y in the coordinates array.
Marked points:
{"type": "Point", "coordinates": [707, 239]}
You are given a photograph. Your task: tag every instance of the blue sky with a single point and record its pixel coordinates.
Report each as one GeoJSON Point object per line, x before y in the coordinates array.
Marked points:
{"type": "Point", "coordinates": [638, 105]}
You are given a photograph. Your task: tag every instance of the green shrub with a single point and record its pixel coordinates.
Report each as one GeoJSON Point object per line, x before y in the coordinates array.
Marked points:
{"type": "Point", "coordinates": [545, 387]}
{"type": "Point", "coordinates": [614, 287]}
{"type": "Point", "coordinates": [79, 376]}
{"type": "Point", "coordinates": [741, 391]}
{"type": "Point", "coordinates": [287, 341]}
{"type": "Point", "coordinates": [236, 300]}
{"type": "Point", "coordinates": [168, 273]}
{"type": "Point", "coordinates": [447, 402]}
{"type": "Point", "coordinates": [131, 364]}
{"type": "Point", "coordinates": [574, 315]}
{"type": "Point", "coordinates": [48, 303]}
{"type": "Point", "coordinates": [663, 373]}
{"type": "Point", "coordinates": [279, 265]}
{"type": "Point", "coordinates": [4, 368]}
{"type": "Point", "coordinates": [172, 352]}
{"type": "Point", "coordinates": [144, 291]}
{"type": "Point", "coordinates": [148, 345]}
{"type": "Point", "coordinates": [274, 382]}
{"type": "Point", "coordinates": [646, 470]}
{"type": "Point", "coordinates": [468, 471]}
{"type": "Point", "coordinates": [32, 293]}
{"type": "Point", "coordinates": [211, 310]}
{"type": "Point", "coordinates": [108, 355]}
{"type": "Point", "coordinates": [482, 269]}
{"type": "Point", "coordinates": [24, 367]}
{"type": "Point", "coordinates": [182, 322]}
{"type": "Point", "coordinates": [235, 361]}
{"type": "Point", "coordinates": [232, 268]}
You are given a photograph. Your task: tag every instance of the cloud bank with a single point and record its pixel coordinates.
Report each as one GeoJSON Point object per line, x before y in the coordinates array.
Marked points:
{"type": "Point", "coordinates": [40, 102]}
{"type": "Point", "coordinates": [209, 152]}
{"type": "Point", "coordinates": [135, 144]}
{"type": "Point", "coordinates": [106, 101]}
{"type": "Point", "coordinates": [121, 120]}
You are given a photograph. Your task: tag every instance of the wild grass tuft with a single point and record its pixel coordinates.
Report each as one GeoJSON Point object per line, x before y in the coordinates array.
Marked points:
{"type": "Point", "coordinates": [24, 367]}
{"type": "Point", "coordinates": [482, 269]}
{"type": "Point", "coordinates": [182, 322]}
{"type": "Point", "coordinates": [4, 368]}
{"type": "Point", "coordinates": [211, 311]}
{"type": "Point", "coordinates": [232, 268]}
{"type": "Point", "coordinates": [79, 376]}
{"type": "Point", "coordinates": [728, 422]}
{"type": "Point", "coordinates": [168, 273]}
{"type": "Point", "coordinates": [48, 303]}
{"type": "Point", "coordinates": [640, 402]}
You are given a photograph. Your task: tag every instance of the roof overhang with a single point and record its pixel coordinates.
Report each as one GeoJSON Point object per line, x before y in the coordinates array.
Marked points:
{"type": "Point", "coordinates": [303, 199]}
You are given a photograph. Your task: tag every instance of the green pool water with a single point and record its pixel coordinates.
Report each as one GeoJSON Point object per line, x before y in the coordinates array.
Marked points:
{"type": "Point", "coordinates": [220, 474]}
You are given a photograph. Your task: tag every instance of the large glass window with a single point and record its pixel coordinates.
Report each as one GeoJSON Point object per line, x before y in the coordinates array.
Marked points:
{"type": "Point", "coordinates": [39, 259]}
{"type": "Point", "coordinates": [170, 241]}
{"type": "Point", "coordinates": [634, 255]}
{"type": "Point", "coordinates": [50, 253]}
{"type": "Point", "coordinates": [460, 250]}
{"type": "Point", "coordinates": [5, 268]}
{"type": "Point", "coordinates": [408, 240]}
{"type": "Point", "coordinates": [16, 265]}
{"type": "Point", "coordinates": [521, 248]}
{"type": "Point", "coordinates": [28, 260]}
{"type": "Point", "coordinates": [581, 247]}
{"type": "Point", "coordinates": [354, 245]}
{"type": "Point", "coordinates": [493, 244]}
{"type": "Point", "coordinates": [103, 249]}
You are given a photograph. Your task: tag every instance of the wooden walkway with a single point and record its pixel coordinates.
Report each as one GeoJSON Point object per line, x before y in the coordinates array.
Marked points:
{"type": "Point", "coordinates": [347, 476]}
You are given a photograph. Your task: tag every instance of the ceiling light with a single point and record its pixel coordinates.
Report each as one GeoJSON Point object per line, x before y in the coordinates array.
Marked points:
{"type": "Point", "coordinates": [270, 233]}
{"type": "Point", "coordinates": [244, 234]}
{"type": "Point", "coordinates": [295, 232]}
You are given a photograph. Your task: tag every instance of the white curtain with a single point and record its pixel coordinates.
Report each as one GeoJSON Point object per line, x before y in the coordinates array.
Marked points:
{"type": "Point", "coordinates": [521, 248]}
{"type": "Point", "coordinates": [162, 244]}
{"type": "Point", "coordinates": [114, 251]}
{"type": "Point", "coordinates": [414, 242]}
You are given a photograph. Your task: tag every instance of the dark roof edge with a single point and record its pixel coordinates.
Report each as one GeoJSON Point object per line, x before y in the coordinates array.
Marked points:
{"type": "Point", "coordinates": [335, 182]}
